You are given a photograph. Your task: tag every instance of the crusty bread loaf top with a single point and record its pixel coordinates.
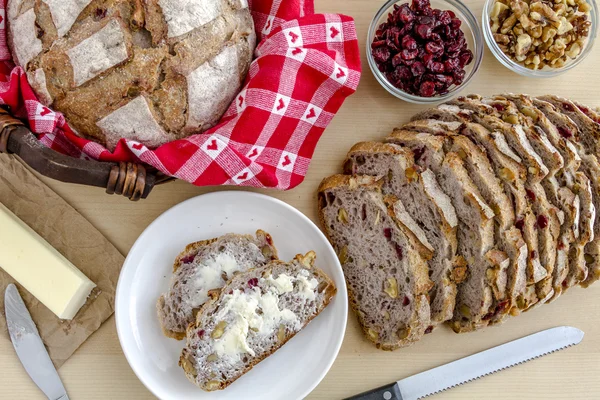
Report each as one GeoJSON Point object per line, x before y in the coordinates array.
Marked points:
{"type": "Point", "coordinates": [150, 71]}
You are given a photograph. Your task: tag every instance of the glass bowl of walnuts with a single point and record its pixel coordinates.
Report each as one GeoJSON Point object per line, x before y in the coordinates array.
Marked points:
{"type": "Point", "coordinates": [424, 51]}
{"type": "Point", "coordinates": [540, 39]}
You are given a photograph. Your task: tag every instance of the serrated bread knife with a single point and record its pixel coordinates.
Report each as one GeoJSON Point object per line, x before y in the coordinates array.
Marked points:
{"type": "Point", "coordinates": [475, 366]}
{"type": "Point", "coordinates": [29, 346]}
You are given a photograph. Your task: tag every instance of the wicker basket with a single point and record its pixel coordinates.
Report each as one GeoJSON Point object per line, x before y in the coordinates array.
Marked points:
{"type": "Point", "coordinates": [134, 181]}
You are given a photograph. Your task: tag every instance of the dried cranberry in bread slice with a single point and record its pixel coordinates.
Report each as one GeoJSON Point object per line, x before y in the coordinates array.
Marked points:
{"type": "Point", "coordinates": [589, 231]}
{"type": "Point", "coordinates": [384, 262]}
{"type": "Point", "coordinates": [455, 120]}
{"type": "Point", "coordinates": [507, 236]}
{"type": "Point", "coordinates": [428, 206]}
{"type": "Point", "coordinates": [204, 266]}
{"type": "Point", "coordinates": [251, 317]}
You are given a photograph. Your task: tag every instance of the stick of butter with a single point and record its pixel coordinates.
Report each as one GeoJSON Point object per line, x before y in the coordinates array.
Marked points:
{"type": "Point", "coordinates": [40, 268]}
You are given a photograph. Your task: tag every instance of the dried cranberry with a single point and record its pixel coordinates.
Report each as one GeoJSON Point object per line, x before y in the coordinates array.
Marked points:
{"type": "Point", "coordinates": [201, 333]}
{"type": "Point", "coordinates": [567, 134]}
{"type": "Point", "coordinates": [406, 301]}
{"type": "Point", "coordinates": [465, 57]}
{"type": "Point", "coordinates": [533, 255]}
{"type": "Point", "coordinates": [391, 44]}
{"type": "Point", "coordinates": [404, 73]}
{"type": "Point", "coordinates": [418, 153]}
{"type": "Point", "coordinates": [542, 221]}
{"type": "Point", "coordinates": [409, 43]}
{"type": "Point", "coordinates": [530, 195]}
{"type": "Point", "coordinates": [381, 54]}
{"type": "Point", "coordinates": [437, 67]}
{"type": "Point", "coordinates": [188, 259]}
{"type": "Point", "coordinates": [583, 109]}
{"type": "Point", "coordinates": [252, 282]}
{"type": "Point", "coordinates": [434, 48]}
{"type": "Point", "coordinates": [455, 24]}
{"type": "Point", "coordinates": [378, 43]}
{"type": "Point", "coordinates": [418, 68]}
{"type": "Point", "coordinates": [397, 60]}
{"type": "Point", "coordinates": [409, 54]}
{"type": "Point", "coordinates": [387, 232]}
{"type": "Point", "coordinates": [451, 64]}
{"type": "Point", "coordinates": [427, 89]}
{"type": "Point", "coordinates": [426, 20]}
{"type": "Point", "coordinates": [100, 13]}
{"type": "Point", "coordinates": [459, 76]}
{"type": "Point", "coordinates": [568, 107]}
{"type": "Point", "coordinates": [435, 37]}
{"type": "Point", "coordinates": [420, 5]}
{"type": "Point", "coordinates": [498, 107]}
{"type": "Point", "coordinates": [423, 31]}
{"type": "Point", "coordinates": [452, 14]}
{"type": "Point", "coordinates": [399, 252]}
{"type": "Point", "coordinates": [444, 17]}
{"type": "Point", "coordinates": [405, 14]}
{"type": "Point", "coordinates": [520, 224]}
{"type": "Point", "coordinates": [429, 330]}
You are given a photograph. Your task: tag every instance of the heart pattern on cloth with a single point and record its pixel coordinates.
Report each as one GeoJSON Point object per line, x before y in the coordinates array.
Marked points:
{"type": "Point", "coordinates": [334, 32]}
{"type": "Point", "coordinates": [213, 146]}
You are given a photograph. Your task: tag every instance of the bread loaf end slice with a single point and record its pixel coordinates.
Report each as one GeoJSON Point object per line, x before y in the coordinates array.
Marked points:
{"type": "Point", "coordinates": [207, 265]}
{"type": "Point", "coordinates": [251, 317]}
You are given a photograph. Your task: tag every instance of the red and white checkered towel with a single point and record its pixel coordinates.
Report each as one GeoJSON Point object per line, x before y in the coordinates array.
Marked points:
{"type": "Point", "coordinates": [306, 65]}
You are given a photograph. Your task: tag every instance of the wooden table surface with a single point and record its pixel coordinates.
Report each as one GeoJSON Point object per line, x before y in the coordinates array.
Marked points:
{"type": "Point", "coordinates": [98, 370]}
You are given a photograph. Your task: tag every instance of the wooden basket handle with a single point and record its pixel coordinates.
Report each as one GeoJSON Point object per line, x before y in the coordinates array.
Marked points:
{"type": "Point", "coordinates": [131, 180]}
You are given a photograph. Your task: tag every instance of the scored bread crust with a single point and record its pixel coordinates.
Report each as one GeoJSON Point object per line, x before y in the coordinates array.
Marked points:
{"type": "Point", "coordinates": [240, 280]}
{"type": "Point", "coordinates": [420, 317]}
{"type": "Point", "coordinates": [193, 249]}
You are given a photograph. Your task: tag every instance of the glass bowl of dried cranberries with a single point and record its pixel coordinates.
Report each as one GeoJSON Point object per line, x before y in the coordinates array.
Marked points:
{"type": "Point", "coordinates": [540, 39]}
{"type": "Point", "coordinates": [424, 51]}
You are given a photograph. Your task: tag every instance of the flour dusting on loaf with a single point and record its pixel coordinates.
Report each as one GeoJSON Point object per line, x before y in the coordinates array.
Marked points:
{"type": "Point", "coordinates": [179, 63]}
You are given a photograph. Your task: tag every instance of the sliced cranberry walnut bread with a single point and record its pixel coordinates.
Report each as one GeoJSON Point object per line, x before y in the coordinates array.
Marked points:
{"type": "Point", "coordinates": [204, 266]}
{"type": "Point", "coordinates": [255, 314]}
{"type": "Point", "coordinates": [427, 205]}
{"type": "Point", "coordinates": [384, 262]}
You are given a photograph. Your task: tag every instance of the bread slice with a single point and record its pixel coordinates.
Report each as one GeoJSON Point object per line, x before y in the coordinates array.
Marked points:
{"type": "Point", "coordinates": [547, 214]}
{"type": "Point", "coordinates": [508, 238]}
{"type": "Point", "coordinates": [571, 188]}
{"type": "Point", "coordinates": [204, 266]}
{"type": "Point", "coordinates": [475, 301]}
{"type": "Point", "coordinates": [427, 205]}
{"type": "Point", "coordinates": [251, 317]}
{"type": "Point", "coordinates": [557, 202]}
{"type": "Point", "coordinates": [582, 131]}
{"type": "Point", "coordinates": [384, 262]}
{"type": "Point", "coordinates": [505, 162]}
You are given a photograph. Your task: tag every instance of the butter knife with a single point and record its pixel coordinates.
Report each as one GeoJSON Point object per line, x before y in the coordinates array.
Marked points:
{"type": "Point", "coordinates": [29, 346]}
{"type": "Point", "coordinates": [476, 366]}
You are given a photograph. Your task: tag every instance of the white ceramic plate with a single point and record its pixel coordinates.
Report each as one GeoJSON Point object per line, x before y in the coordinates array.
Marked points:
{"type": "Point", "coordinates": [294, 370]}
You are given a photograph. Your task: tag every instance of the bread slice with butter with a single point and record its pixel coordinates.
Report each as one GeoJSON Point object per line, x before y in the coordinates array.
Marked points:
{"type": "Point", "coordinates": [255, 314]}
{"type": "Point", "coordinates": [204, 266]}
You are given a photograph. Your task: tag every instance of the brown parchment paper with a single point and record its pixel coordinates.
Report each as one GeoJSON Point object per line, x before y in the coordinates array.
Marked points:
{"type": "Point", "coordinates": [72, 235]}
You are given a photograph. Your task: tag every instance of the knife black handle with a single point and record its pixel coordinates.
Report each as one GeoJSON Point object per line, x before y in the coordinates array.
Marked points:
{"type": "Point", "coordinates": [387, 392]}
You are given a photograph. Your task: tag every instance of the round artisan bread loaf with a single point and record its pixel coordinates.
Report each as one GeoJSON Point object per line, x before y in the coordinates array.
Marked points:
{"type": "Point", "coordinates": [146, 70]}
